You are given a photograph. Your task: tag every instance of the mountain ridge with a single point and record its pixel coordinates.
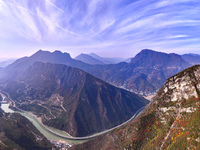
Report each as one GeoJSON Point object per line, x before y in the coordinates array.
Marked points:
{"type": "Point", "coordinates": [194, 59]}
{"type": "Point", "coordinates": [145, 74]}
{"type": "Point", "coordinates": [156, 66]}
{"type": "Point", "coordinates": [72, 100]}
{"type": "Point", "coordinates": [170, 121]}
{"type": "Point", "coordinates": [88, 59]}
{"type": "Point", "coordinates": [107, 60]}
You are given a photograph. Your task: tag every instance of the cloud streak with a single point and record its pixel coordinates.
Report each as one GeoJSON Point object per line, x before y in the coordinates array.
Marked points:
{"type": "Point", "coordinates": [104, 24]}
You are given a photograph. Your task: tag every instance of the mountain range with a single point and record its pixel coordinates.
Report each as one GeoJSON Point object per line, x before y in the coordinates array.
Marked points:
{"type": "Point", "coordinates": [170, 121]}
{"type": "Point", "coordinates": [88, 59]}
{"type": "Point", "coordinates": [57, 57]}
{"type": "Point", "coordinates": [72, 100]}
{"type": "Point", "coordinates": [76, 97]}
{"type": "Point", "coordinates": [107, 60]}
{"type": "Point", "coordinates": [193, 59]}
{"type": "Point", "coordinates": [145, 74]}
{"type": "Point", "coordinates": [94, 59]}
{"type": "Point", "coordinates": [5, 62]}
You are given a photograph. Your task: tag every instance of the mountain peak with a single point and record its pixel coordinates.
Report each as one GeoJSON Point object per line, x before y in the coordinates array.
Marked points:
{"type": "Point", "coordinates": [22, 64]}
{"type": "Point", "coordinates": [177, 86]}
{"type": "Point", "coordinates": [41, 52]}
{"type": "Point", "coordinates": [150, 58]}
{"type": "Point", "coordinates": [95, 55]}
{"type": "Point", "coordinates": [88, 59]}
{"type": "Point", "coordinates": [148, 50]}
{"type": "Point", "coordinates": [46, 56]}
{"type": "Point", "coordinates": [57, 52]}
{"type": "Point", "coordinates": [148, 53]}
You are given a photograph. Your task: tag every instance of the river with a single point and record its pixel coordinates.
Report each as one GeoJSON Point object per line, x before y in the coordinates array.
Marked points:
{"type": "Point", "coordinates": [57, 135]}
{"type": "Point", "coordinates": [44, 131]}
{"type": "Point", "coordinates": [6, 108]}
{"type": "Point", "coordinates": [49, 135]}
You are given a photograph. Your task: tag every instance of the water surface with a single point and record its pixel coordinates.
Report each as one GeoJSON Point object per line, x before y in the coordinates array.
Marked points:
{"type": "Point", "coordinates": [6, 108]}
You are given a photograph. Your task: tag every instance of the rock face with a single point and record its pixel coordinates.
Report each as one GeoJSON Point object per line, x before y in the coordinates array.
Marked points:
{"type": "Point", "coordinates": [170, 121]}
{"type": "Point", "coordinates": [182, 86]}
{"type": "Point", "coordinates": [71, 99]}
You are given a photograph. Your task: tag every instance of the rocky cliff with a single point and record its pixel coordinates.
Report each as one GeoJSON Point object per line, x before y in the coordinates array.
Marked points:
{"type": "Point", "coordinates": [171, 121]}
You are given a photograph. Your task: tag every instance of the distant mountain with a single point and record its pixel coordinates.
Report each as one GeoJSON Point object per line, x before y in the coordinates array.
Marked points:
{"type": "Point", "coordinates": [17, 132]}
{"type": "Point", "coordinates": [71, 99]}
{"type": "Point", "coordinates": [170, 121]}
{"type": "Point", "coordinates": [128, 60]}
{"type": "Point", "coordinates": [107, 60]}
{"type": "Point", "coordinates": [57, 57]}
{"type": "Point", "coordinates": [147, 71]}
{"type": "Point", "coordinates": [6, 62]}
{"type": "Point", "coordinates": [193, 59]}
{"type": "Point", "coordinates": [150, 58]}
{"type": "Point", "coordinates": [145, 74]}
{"type": "Point", "coordinates": [88, 59]}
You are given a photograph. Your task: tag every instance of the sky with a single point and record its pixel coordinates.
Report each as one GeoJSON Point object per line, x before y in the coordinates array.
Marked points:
{"type": "Point", "coordinates": [109, 28]}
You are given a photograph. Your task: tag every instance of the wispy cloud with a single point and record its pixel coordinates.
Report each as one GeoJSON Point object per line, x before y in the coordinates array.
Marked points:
{"type": "Point", "coordinates": [101, 23]}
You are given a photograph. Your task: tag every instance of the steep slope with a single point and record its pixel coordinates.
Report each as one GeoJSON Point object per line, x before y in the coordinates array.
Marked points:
{"type": "Point", "coordinates": [71, 99]}
{"type": "Point", "coordinates": [88, 59]}
{"type": "Point", "coordinates": [171, 121]}
{"type": "Point", "coordinates": [193, 59]}
{"type": "Point", "coordinates": [145, 74]}
{"type": "Point", "coordinates": [57, 57]}
{"type": "Point", "coordinates": [150, 68]}
{"type": "Point", "coordinates": [150, 58]}
{"type": "Point", "coordinates": [16, 132]}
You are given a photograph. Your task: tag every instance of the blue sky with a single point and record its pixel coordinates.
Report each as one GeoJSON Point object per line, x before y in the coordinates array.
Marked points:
{"type": "Point", "coordinates": [118, 28]}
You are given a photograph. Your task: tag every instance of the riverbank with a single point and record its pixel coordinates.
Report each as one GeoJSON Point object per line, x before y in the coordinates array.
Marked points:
{"type": "Point", "coordinates": [57, 135]}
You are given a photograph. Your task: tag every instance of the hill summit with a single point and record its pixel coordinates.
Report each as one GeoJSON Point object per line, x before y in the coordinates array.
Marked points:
{"type": "Point", "coordinates": [150, 58]}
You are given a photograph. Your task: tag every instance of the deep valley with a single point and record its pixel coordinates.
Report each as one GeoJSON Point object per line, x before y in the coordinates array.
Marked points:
{"type": "Point", "coordinates": [84, 99]}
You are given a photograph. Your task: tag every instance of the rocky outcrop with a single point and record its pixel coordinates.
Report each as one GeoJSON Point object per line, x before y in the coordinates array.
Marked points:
{"type": "Point", "coordinates": [170, 121]}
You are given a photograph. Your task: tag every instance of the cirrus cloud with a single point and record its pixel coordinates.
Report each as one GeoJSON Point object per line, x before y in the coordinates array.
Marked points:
{"type": "Point", "coordinates": [100, 25]}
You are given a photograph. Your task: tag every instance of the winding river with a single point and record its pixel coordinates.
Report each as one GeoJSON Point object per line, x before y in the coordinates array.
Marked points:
{"type": "Point", "coordinates": [57, 135]}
